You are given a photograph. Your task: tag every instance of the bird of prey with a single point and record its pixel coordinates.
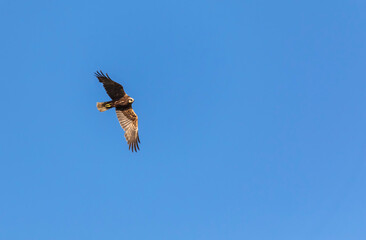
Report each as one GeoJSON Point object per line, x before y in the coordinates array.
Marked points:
{"type": "Point", "coordinates": [123, 104]}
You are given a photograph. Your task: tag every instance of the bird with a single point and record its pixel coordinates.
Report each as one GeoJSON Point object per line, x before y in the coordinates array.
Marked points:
{"type": "Point", "coordinates": [123, 104]}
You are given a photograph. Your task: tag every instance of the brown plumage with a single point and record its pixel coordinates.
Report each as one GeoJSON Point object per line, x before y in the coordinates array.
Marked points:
{"type": "Point", "coordinates": [123, 103]}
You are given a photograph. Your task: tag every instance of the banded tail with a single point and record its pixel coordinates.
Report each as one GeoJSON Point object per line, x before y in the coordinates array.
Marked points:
{"type": "Point", "coordinates": [104, 106]}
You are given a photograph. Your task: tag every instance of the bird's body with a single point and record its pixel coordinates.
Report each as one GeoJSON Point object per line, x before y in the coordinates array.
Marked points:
{"type": "Point", "coordinates": [123, 105]}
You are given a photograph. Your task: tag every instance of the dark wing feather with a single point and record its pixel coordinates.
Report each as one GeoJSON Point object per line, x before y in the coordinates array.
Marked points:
{"type": "Point", "coordinates": [129, 122]}
{"type": "Point", "coordinates": [114, 90]}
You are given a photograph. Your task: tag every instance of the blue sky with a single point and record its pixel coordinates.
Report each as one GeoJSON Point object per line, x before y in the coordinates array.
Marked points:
{"type": "Point", "coordinates": [251, 117]}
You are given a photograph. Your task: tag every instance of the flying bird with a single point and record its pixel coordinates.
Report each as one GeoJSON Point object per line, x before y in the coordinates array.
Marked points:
{"type": "Point", "coordinates": [123, 104]}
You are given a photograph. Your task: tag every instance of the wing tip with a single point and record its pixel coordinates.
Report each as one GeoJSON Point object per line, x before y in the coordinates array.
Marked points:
{"type": "Point", "coordinates": [133, 146]}
{"type": "Point", "coordinates": [100, 74]}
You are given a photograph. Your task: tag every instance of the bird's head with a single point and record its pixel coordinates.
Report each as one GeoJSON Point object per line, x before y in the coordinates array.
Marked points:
{"type": "Point", "coordinates": [131, 100]}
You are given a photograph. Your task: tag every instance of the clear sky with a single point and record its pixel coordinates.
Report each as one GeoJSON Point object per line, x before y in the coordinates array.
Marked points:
{"type": "Point", "coordinates": [251, 117]}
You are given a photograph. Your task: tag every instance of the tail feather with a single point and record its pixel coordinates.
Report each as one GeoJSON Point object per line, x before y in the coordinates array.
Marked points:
{"type": "Point", "coordinates": [103, 106]}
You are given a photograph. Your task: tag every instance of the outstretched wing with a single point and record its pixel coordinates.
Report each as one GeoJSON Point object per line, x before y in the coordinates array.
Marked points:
{"type": "Point", "coordinates": [114, 90]}
{"type": "Point", "coordinates": [129, 122]}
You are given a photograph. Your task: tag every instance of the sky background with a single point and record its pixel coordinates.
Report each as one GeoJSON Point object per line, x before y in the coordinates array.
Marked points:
{"type": "Point", "coordinates": [251, 118]}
